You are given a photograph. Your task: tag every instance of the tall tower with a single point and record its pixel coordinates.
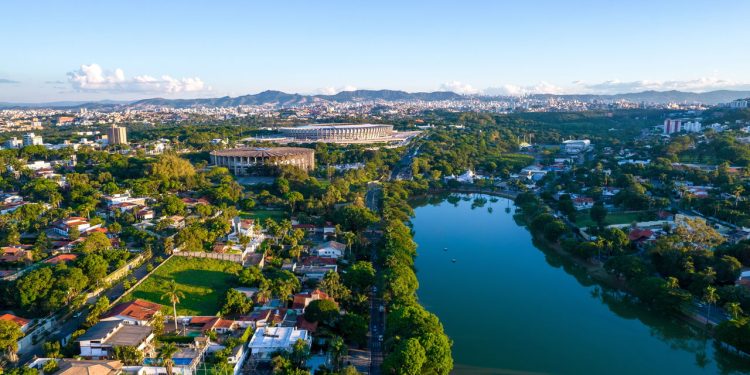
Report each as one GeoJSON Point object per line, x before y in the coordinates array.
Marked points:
{"type": "Point", "coordinates": [117, 135]}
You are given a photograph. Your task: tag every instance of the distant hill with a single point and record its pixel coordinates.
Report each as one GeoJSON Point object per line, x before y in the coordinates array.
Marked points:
{"type": "Point", "coordinates": [282, 100]}
{"type": "Point", "coordinates": [709, 97]}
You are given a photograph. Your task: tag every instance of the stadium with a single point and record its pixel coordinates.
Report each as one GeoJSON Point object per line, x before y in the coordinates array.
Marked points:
{"type": "Point", "coordinates": [243, 161]}
{"type": "Point", "coordinates": [338, 132]}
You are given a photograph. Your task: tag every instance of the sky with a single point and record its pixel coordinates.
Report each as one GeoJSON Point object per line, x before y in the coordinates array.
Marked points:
{"type": "Point", "coordinates": [123, 50]}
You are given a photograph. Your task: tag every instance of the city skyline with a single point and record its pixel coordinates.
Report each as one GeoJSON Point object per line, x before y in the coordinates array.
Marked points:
{"type": "Point", "coordinates": [91, 51]}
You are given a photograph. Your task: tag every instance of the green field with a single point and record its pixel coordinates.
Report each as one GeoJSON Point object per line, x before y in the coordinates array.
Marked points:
{"type": "Point", "coordinates": [203, 282]}
{"type": "Point", "coordinates": [261, 215]}
{"type": "Point", "coordinates": [584, 219]}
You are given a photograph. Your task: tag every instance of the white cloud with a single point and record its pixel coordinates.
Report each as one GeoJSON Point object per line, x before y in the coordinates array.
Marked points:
{"type": "Point", "coordinates": [94, 78]}
{"type": "Point", "coordinates": [516, 90]}
{"type": "Point", "coordinates": [459, 88]}
{"type": "Point", "coordinates": [330, 90]}
{"type": "Point", "coordinates": [619, 87]}
{"type": "Point", "coordinates": [694, 85]}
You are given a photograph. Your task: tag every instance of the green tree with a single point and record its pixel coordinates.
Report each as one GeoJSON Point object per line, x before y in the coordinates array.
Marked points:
{"type": "Point", "coordinates": [173, 295]}
{"type": "Point", "coordinates": [360, 276]}
{"type": "Point", "coordinates": [101, 305]}
{"type": "Point", "coordinates": [332, 285]}
{"type": "Point", "coordinates": [129, 355]}
{"type": "Point", "coordinates": [322, 310]}
{"type": "Point", "coordinates": [338, 350]}
{"type": "Point", "coordinates": [166, 352]}
{"type": "Point", "coordinates": [598, 213]}
{"type": "Point", "coordinates": [10, 333]}
{"type": "Point", "coordinates": [408, 358]}
{"type": "Point", "coordinates": [235, 303]}
{"type": "Point", "coordinates": [96, 242]}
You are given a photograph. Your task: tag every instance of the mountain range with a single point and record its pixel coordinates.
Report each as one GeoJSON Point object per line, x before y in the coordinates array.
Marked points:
{"type": "Point", "coordinates": [284, 100]}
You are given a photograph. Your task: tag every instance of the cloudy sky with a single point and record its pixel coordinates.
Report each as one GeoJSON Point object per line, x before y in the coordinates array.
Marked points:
{"type": "Point", "coordinates": [92, 50]}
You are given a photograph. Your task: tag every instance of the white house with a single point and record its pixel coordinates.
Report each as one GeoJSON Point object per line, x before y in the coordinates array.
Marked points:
{"type": "Point", "coordinates": [269, 340]}
{"type": "Point", "coordinates": [330, 249]}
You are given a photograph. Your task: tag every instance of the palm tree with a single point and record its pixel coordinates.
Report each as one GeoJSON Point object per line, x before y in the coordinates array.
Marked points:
{"type": "Point", "coordinates": [173, 294]}
{"type": "Point", "coordinates": [165, 356]}
{"type": "Point", "coordinates": [710, 298]}
{"type": "Point", "coordinates": [734, 309]}
{"type": "Point", "coordinates": [737, 194]}
{"type": "Point", "coordinates": [338, 350]}
{"type": "Point", "coordinates": [673, 283]}
{"type": "Point", "coordinates": [264, 291]}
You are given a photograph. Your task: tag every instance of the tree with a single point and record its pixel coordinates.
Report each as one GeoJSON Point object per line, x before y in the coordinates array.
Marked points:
{"type": "Point", "coordinates": [407, 359]}
{"type": "Point", "coordinates": [166, 352]}
{"type": "Point", "coordinates": [710, 298]}
{"type": "Point", "coordinates": [173, 295]}
{"type": "Point", "coordinates": [356, 218]}
{"type": "Point", "coordinates": [95, 242]}
{"type": "Point", "coordinates": [10, 333]}
{"type": "Point", "coordinates": [338, 350]}
{"type": "Point", "coordinates": [235, 303]}
{"type": "Point", "coordinates": [360, 276]}
{"type": "Point", "coordinates": [353, 328]}
{"type": "Point", "coordinates": [300, 352]}
{"type": "Point", "coordinates": [331, 284]}
{"type": "Point", "coordinates": [728, 269]}
{"type": "Point", "coordinates": [554, 230]}
{"type": "Point", "coordinates": [322, 310]}
{"type": "Point", "coordinates": [74, 233]}
{"type": "Point", "coordinates": [734, 309]}
{"type": "Point", "coordinates": [101, 305]}
{"type": "Point", "coordinates": [94, 266]}
{"type": "Point", "coordinates": [292, 198]}
{"type": "Point", "coordinates": [129, 355]}
{"type": "Point", "coordinates": [598, 213]}
{"type": "Point", "coordinates": [250, 276]}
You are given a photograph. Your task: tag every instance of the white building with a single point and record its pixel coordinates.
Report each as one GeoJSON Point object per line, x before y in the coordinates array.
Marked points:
{"type": "Point", "coordinates": [13, 143]}
{"type": "Point", "coordinates": [330, 249]}
{"type": "Point", "coordinates": [31, 139]}
{"type": "Point", "coordinates": [672, 126]}
{"type": "Point", "coordinates": [692, 127]}
{"type": "Point", "coordinates": [269, 340]}
{"type": "Point", "coordinates": [740, 103]}
{"type": "Point", "coordinates": [576, 146]}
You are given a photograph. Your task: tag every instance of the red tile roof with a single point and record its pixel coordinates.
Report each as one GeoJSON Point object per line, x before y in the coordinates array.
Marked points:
{"type": "Point", "coordinates": [61, 258]}
{"type": "Point", "coordinates": [12, 318]}
{"type": "Point", "coordinates": [137, 309]}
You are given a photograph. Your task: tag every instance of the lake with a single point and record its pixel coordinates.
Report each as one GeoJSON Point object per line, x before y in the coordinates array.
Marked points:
{"type": "Point", "coordinates": [512, 307]}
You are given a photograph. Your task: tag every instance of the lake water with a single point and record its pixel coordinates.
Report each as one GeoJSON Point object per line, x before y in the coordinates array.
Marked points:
{"type": "Point", "coordinates": [513, 308]}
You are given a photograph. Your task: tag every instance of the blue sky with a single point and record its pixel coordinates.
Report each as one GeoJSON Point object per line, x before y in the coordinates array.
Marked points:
{"type": "Point", "coordinates": [74, 50]}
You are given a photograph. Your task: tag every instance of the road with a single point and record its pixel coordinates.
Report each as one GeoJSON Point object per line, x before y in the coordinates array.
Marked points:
{"type": "Point", "coordinates": [70, 324]}
{"type": "Point", "coordinates": [377, 323]}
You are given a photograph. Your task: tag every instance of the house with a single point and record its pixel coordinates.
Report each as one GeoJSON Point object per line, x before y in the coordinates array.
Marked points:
{"type": "Point", "coordinates": [314, 272]}
{"type": "Point", "coordinates": [301, 300]}
{"type": "Point", "coordinates": [583, 203]}
{"type": "Point", "coordinates": [144, 213]}
{"type": "Point", "coordinates": [137, 312]}
{"type": "Point", "coordinates": [12, 254]}
{"type": "Point", "coordinates": [68, 366]}
{"type": "Point", "coordinates": [639, 236]}
{"type": "Point", "coordinates": [176, 221]}
{"type": "Point", "coordinates": [64, 226]}
{"type": "Point", "coordinates": [101, 339]}
{"type": "Point", "coordinates": [211, 323]}
{"type": "Point", "coordinates": [268, 340]}
{"type": "Point", "coordinates": [61, 258]}
{"type": "Point", "coordinates": [241, 228]}
{"type": "Point", "coordinates": [330, 249]}
{"type": "Point", "coordinates": [23, 323]}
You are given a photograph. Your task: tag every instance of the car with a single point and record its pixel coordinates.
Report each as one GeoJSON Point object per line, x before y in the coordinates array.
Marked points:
{"type": "Point", "coordinates": [374, 289]}
{"type": "Point", "coordinates": [381, 308]}
{"type": "Point", "coordinates": [380, 338]}
{"type": "Point", "coordinates": [78, 314]}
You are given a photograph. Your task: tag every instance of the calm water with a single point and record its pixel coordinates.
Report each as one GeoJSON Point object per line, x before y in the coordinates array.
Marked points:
{"type": "Point", "coordinates": [512, 308]}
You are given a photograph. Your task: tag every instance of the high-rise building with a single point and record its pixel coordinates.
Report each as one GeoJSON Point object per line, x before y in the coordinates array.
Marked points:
{"type": "Point", "coordinates": [672, 126]}
{"type": "Point", "coordinates": [31, 139]}
{"type": "Point", "coordinates": [117, 135]}
{"type": "Point", "coordinates": [13, 143]}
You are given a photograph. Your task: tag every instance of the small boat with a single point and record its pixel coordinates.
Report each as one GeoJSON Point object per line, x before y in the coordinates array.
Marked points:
{"type": "Point", "coordinates": [454, 260]}
{"type": "Point", "coordinates": [445, 249]}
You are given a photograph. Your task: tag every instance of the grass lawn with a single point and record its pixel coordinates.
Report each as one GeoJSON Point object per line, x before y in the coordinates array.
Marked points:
{"type": "Point", "coordinates": [203, 282]}
{"type": "Point", "coordinates": [584, 219]}
{"type": "Point", "coordinates": [261, 215]}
